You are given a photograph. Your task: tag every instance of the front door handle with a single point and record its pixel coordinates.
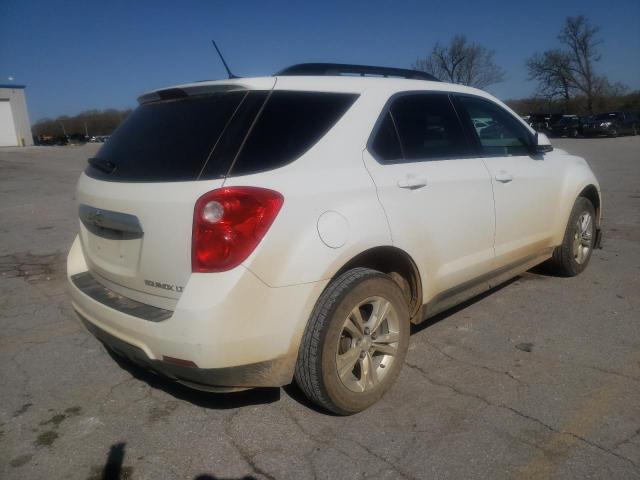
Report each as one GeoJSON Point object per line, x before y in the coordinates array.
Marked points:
{"type": "Point", "coordinates": [504, 177]}
{"type": "Point", "coordinates": [412, 183]}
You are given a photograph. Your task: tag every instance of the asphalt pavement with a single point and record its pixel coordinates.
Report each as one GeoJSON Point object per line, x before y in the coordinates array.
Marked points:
{"type": "Point", "coordinates": [540, 378]}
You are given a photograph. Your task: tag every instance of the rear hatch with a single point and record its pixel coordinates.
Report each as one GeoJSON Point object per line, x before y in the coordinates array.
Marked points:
{"type": "Point", "coordinates": [136, 197]}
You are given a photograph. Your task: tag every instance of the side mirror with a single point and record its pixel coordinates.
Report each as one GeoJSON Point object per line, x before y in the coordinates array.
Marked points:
{"type": "Point", "coordinates": [542, 143]}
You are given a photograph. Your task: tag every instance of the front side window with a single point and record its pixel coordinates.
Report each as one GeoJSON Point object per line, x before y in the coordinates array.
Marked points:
{"type": "Point", "coordinates": [428, 127]}
{"type": "Point", "coordinates": [498, 132]}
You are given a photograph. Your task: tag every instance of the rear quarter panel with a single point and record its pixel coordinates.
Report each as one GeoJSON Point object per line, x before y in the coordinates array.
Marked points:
{"type": "Point", "coordinates": [330, 177]}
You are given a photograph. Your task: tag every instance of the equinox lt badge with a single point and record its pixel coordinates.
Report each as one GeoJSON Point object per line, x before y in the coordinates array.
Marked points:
{"type": "Point", "coordinates": [166, 286]}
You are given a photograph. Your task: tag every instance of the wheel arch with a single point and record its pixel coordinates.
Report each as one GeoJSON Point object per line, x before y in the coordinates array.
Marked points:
{"type": "Point", "coordinates": [396, 263]}
{"type": "Point", "coordinates": [591, 193]}
{"type": "Point", "coordinates": [578, 181]}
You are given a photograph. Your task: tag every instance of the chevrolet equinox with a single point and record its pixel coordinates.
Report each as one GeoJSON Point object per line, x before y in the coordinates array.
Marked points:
{"type": "Point", "coordinates": [255, 231]}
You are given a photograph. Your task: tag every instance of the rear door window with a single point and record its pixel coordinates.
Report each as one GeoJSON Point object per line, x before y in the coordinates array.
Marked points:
{"type": "Point", "coordinates": [289, 124]}
{"type": "Point", "coordinates": [428, 127]}
{"type": "Point", "coordinates": [168, 140]}
{"type": "Point", "coordinates": [386, 145]}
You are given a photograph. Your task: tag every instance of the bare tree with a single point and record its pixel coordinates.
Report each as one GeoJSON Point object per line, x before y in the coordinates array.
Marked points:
{"type": "Point", "coordinates": [579, 37]}
{"type": "Point", "coordinates": [462, 62]}
{"type": "Point", "coordinates": [551, 70]}
{"type": "Point", "coordinates": [569, 71]}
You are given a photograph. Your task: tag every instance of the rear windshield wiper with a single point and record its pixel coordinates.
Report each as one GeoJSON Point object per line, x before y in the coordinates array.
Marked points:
{"type": "Point", "coordinates": [103, 165]}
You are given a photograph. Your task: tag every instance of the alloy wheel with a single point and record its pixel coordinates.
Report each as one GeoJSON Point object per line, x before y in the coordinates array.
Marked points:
{"type": "Point", "coordinates": [582, 237]}
{"type": "Point", "coordinates": [368, 344]}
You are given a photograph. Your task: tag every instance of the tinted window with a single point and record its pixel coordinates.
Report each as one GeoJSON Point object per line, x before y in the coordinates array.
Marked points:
{"type": "Point", "coordinates": [166, 140]}
{"type": "Point", "coordinates": [428, 127]}
{"type": "Point", "coordinates": [226, 148]}
{"type": "Point", "coordinates": [386, 145]}
{"type": "Point", "coordinates": [499, 133]}
{"type": "Point", "coordinates": [289, 124]}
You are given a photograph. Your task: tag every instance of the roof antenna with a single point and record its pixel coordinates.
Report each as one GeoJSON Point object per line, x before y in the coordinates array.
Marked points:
{"type": "Point", "coordinates": [231, 75]}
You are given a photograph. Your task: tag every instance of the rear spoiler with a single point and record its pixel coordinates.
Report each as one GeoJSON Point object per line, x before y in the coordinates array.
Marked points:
{"type": "Point", "coordinates": [187, 91]}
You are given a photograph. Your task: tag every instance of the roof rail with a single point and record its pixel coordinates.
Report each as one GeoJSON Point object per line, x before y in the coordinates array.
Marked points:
{"type": "Point", "coordinates": [338, 69]}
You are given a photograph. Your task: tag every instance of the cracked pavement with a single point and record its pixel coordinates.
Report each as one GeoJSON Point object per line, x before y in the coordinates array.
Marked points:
{"type": "Point", "coordinates": [540, 378]}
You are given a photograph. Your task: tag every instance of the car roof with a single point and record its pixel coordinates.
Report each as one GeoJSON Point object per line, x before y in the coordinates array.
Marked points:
{"type": "Point", "coordinates": [371, 85]}
{"type": "Point", "coordinates": [317, 83]}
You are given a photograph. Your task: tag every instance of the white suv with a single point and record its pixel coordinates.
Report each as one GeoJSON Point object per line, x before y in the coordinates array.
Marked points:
{"type": "Point", "coordinates": [249, 232]}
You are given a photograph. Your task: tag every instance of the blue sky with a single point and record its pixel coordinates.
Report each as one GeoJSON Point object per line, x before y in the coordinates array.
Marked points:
{"type": "Point", "coordinates": [78, 55]}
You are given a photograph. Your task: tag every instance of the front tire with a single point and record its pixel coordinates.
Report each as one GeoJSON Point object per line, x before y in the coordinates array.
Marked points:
{"type": "Point", "coordinates": [572, 257]}
{"type": "Point", "coordinates": [355, 343]}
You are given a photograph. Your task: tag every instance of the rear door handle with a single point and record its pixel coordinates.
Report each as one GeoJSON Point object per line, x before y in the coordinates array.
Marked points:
{"type": "Point", "coordinates": [504, 177]}
{"type": "Point", "coordinates": [412, 183]}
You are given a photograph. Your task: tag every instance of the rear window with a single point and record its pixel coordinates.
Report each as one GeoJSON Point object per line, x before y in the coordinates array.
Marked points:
{"type": "Point", "coordinates": [166, 141]}
{"type": "Point", "coordinates": [211, 136]}
{"type": "Point", "coordinates": [289, 125]}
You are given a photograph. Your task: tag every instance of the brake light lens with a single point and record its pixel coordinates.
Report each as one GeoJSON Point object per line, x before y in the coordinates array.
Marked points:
{"type": "Point", "coordinates": [228, 225]}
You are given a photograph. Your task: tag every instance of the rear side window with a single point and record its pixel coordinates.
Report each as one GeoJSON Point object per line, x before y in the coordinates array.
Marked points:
{"type": "Point", "coordinates": [289, 124]}
{"type": "Point", "coordinates": [498, 132]}
{"type": "Point", "coordinates": [226, 148]}
{"type": "Point", "coordinates": [168, 140]}
{"type": "Point", "coordinates": [428, 127]}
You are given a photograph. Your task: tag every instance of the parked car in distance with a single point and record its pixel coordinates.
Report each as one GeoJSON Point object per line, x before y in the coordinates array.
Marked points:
{"type": "Point", "coordinates": [539, 121]}
{"type": "Point", "coordinates": [612, 124]}
{"type": "Point", "coordinates": [586, 119]}
{"type": "Point", "coordinates": [567, 126]}
{"type": "Point", "coordinates": [255, 231]}
{"type": "Point", "coordinates": [50, 140]}
{"type": "Point", "coordinates": [542, 122]}
{"type": "Point", "coordinates": [77, 139]}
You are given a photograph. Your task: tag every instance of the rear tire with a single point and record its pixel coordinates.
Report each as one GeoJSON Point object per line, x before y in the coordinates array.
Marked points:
{"type": "Point", "coordinates": [355, 343]}
{"type": "Point", "coordinates": [572, 257]}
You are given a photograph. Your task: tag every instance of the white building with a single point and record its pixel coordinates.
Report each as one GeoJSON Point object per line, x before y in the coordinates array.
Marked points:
{"type": "Point", "coordinates": [15, 128]}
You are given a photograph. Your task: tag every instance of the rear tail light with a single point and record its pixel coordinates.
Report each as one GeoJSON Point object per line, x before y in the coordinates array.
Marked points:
{"type": "Point", "coordinates": [228, 224]}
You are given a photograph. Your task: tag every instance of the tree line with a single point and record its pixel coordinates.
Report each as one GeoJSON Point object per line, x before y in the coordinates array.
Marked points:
{"type": "Point", "coordinates": [567, 80]}
{"type": "Point", "coordinates": [89, 123]}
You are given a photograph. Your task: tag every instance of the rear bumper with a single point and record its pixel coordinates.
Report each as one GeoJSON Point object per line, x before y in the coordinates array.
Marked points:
{"type": "Point", "coordinates": [208, 379]}
{"type": "Point", "coordinates": [238, 331]}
